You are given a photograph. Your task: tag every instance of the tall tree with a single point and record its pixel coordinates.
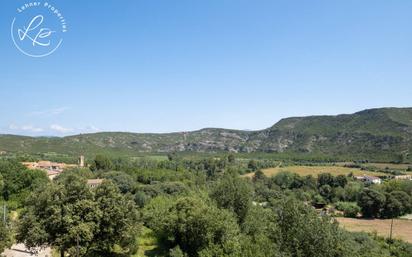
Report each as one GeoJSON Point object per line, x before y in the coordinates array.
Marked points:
{"type": "Point", "coordinates": [118, 224]}
{"type": "Point", "coordinates": [371, 202]}
{"type": "Point", "coordinates": [233, 193]}
{"type": "Point", "coordinates": [101, 162]}
{"type": "Point", "coordinates": [199, 228]}
{"type": "Point", "coordinates": [325, 179]}
{"type": "Point", "coordinates": [5, 237]}
{"type": "Point", "coordinates": [392, 208]}
{"type": "Point", "coordinates": [303, 233]}
{"type": "Point", "coordinates": [68, 213]}
{"type": "Point", "coordinates": [405, 200]}
{"type": "Point", "coordinates": [58, 214]}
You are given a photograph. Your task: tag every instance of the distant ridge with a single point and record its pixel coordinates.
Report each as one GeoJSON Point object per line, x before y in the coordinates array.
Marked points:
{"type": "Point", "coordinates": [379, 132]}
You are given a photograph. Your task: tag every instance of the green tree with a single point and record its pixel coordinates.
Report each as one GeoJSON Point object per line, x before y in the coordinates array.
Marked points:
{"type": "Point", "coordinates": [231, 158]}
{"type": "Point", "coordinates": [5, 237]}
{"type": "Point", "coordinates": [18, 180]}
{"type": "Point", "coordinates": [1, 186]}
{"type": "Point", "coordinates": [392, 208]}
{"type": "Point", "coordinates": [197, 227]}
{"type": "Point", "coordinates": [326, 192]}
{"type": "Point", "coordinates": [68, 212]}
{"type": "Point", "coordinates": [234, 194]}
{"type": "Point", "coordinates": [121, 179]}
{"type": "Point", "coordinates": [58, 215]}
{"type": "Point", "coordinates": [259, 176]}
{"type": "Point", "coordinates": [156, 215]}
{"type": "Point", "coordinates": [371, 202]}
{"type": "Point", "coordinates": [172, 156]}
{"type": "Point", "coordinates": [350, 209]}
{"type": "Point", "coordinates": [140, 199]}
{"type": "Point", "coordinates": [101, 162]}
{"type": "Point", "coordinates": [261, 233]}
{"type": "Point", "coordinates": [405, 200]}
{"type": "Point", "coordinates": [303, 233]}
{"type": "Point", "coordinates": [318, 200]}
{"type": "Point", "coordinates": [325, 179]}
{"type": "Point", "coordinates": [252, 165]}
{"type": "Point", "coordinates": [285, 179]}
{"type": "Point", "coordinates": [352, 191]}
{"type": "Point", "coordinates": [340, 181]}
{"type": "Point", "coordinates": [119, 222]}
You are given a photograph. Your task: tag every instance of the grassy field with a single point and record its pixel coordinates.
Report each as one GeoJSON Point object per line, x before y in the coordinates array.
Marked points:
{"type": "Point", "coordinates": [150, 157]}
{"type": "Point", "coordinates": [391, 166]}
{"type": "Point", "coordinates": [149, 246]}
{"type": "Point", "coordinates": [316, 170]}
{"type": "Point", "coordinates": [380, 166]}
{"type": "Point", "coordinates": [402, 229]}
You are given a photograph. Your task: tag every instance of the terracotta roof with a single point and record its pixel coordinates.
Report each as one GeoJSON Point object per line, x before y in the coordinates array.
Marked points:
{"type": "Point", "coordinates": [44, 163]}
{"type": "Point", "coordinates": [53, 172]}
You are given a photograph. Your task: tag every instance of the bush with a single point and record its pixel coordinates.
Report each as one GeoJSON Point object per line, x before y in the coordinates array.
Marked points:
{"type": "Point", "coordinates": [349, 209]}
{"type": "Point", "coordinates": [318, 201]}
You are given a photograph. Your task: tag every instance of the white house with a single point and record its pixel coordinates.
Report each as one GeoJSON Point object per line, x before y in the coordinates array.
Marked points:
{"type": "Point", "coordinates": [369, 179]}
{"type": "Point", "coordinates": [403, 177]}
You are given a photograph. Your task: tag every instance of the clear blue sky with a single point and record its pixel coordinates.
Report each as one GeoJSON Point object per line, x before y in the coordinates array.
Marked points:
{"type": "Point", "coordinates": [178, 65]}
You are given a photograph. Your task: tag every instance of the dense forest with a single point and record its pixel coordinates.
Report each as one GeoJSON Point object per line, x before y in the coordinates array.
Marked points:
{"type": "Point", "coordinates": [195, 208]}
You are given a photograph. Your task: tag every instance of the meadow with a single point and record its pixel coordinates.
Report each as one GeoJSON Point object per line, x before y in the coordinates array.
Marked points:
{"type": "Point", "coordinates": [402, 229]}
{"type": "Point", "coordinates": [316, 170]}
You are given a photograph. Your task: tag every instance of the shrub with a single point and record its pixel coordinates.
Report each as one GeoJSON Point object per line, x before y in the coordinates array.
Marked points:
{"type": "Point", "coordinates": [349, 209]}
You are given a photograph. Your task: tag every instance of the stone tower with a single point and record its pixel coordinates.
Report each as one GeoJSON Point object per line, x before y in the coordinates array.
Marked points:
{"type": "Point", "coordinates": [81, 161]}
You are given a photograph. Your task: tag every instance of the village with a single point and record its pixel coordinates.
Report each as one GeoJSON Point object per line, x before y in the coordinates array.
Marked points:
{"type": "Point", "coordinates": [53, 169]}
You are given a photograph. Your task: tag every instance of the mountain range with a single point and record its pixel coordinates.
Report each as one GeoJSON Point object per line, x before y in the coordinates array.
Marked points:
{"type": "Point", "coordinates": [373, 132]}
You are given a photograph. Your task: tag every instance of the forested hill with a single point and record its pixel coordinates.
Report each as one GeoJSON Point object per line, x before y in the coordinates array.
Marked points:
{"type": "Point", "coordinates": [375, 132]}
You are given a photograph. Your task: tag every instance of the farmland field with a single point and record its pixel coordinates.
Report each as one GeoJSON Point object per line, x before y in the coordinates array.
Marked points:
{"type": "Point", "coordinates": [402, 229]}
{"type": "Point", "coordinates": [389, 166]}
{"type": "Point", "coordinates": [316, 170]}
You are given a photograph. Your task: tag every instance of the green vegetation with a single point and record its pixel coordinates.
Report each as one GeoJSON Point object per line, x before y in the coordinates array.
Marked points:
{"type": "Point", "coordinates": [67, 214]}
{"type": "Point", "coordinates": [349, 209]}
{"type": "Point", "coordinates": [391, 199]}
{"type": "Point", "coordinates": [16, 182]}
{"type": "Point", "coordinates": [5, 237]}
{"type": "Point", "coordinates": [197, 207]}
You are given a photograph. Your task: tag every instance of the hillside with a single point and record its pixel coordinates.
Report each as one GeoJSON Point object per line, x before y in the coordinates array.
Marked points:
{"type": "Point", "coordinates": [375, 132]}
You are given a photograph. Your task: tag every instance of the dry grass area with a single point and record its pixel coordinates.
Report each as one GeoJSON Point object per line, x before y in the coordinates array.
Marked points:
{"type": "Point", "coordinates": [402, 229]}
{"type": "Point", "coordinates": [391, 166]}
{"type": "Point", "coordinates": [316, 170]}
{"type": "Point", "coordinates": [381, 166]}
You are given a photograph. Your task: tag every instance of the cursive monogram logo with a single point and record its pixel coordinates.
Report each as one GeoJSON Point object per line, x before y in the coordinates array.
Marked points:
{"type": "Point", "coordinates": [37, 30]}
{"type": "Point", "coordinates": [41, 33]}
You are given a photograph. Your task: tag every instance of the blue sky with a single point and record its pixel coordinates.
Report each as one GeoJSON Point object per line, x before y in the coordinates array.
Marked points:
{"type": "Point", "coordinates": [163, 66]}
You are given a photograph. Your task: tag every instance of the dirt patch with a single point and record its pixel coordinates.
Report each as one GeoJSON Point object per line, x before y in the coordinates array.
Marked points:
{"type": "Point", "coordinates": [19, 250]}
